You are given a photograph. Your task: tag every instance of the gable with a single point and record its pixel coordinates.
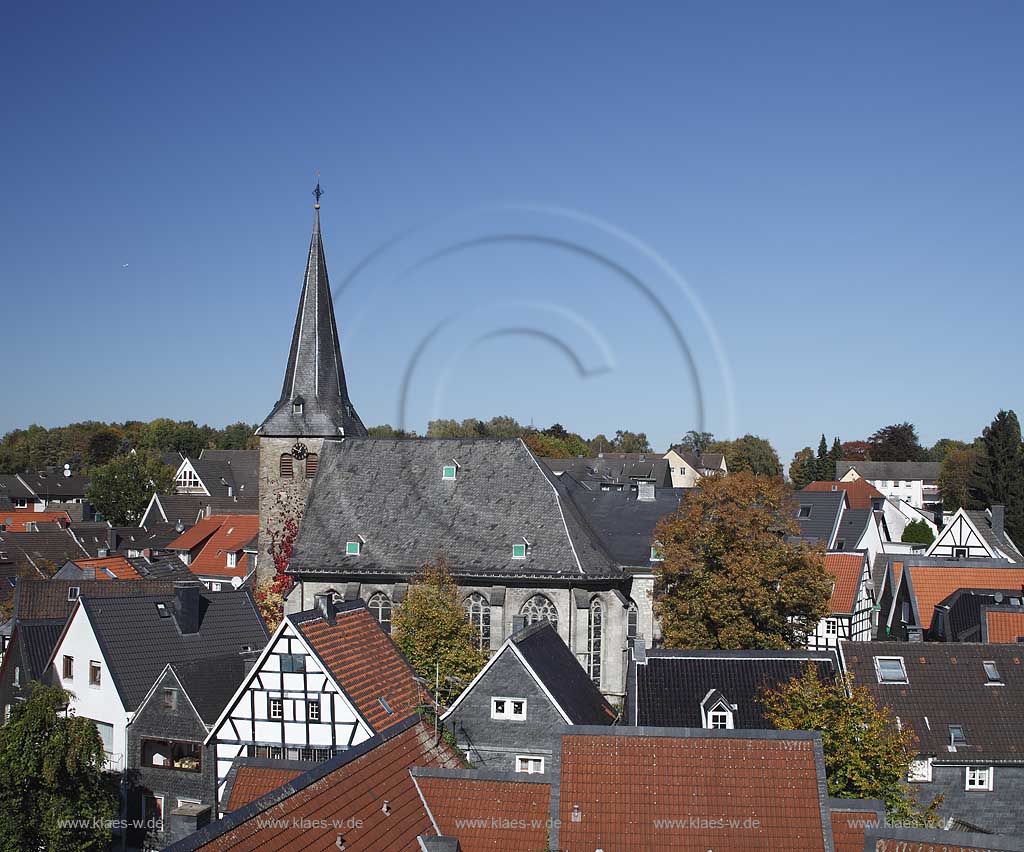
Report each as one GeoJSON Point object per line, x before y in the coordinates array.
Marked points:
{"type": "Point", "coordinates": [188, 481]}
{"type": "Point", "coordinates": [960, 533]}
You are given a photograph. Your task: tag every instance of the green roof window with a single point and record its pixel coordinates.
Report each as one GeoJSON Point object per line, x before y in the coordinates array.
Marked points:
{"type": "Point", "coordinates": [353, 548]}
{"type": "Point", "coordinates": [519, 551]}
{"type": "Point", "coordinates": [448, 471]}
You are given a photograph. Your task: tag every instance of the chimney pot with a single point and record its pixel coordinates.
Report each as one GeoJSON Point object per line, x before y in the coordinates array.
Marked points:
{"type": "Point", "coordinates": [186, 605]}
{"type": "Point", "coordinates": [645, 491]}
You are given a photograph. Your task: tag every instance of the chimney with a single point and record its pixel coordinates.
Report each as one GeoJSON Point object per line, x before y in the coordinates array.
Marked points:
{"type": "Point", "coordinates": [188, 819]}
{"type": "Point", "coordinates": [639, 650]}
{"type": "Point", "coordinates": [940, 520]}
{"type": "Point", "coordinates": [518, 623]}
{"type": "Point", "coordinates": [645, 491]}
{"type": "Point", "coordinates": [998, 521]}
{"type": "Point", "coordinates": [111, 540]}
{"type": "Point", "coordinates": [186, 605]}
{"type": "Point", "coordinates": [325, 605]}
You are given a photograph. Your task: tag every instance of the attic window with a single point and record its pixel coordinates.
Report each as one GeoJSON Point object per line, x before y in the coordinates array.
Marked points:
{"type": "Point", "coordinates": [232, 560]}
{"type": "Point", "coordinates": [353, 548]}
{"type": "Point", "coordinates": [297, 404]}
{"type": "Point", "coordinates": [959, 552]}
{"type": "Point", "coordinates": [162, 610]}
{"type": "Point", "coordinates": [448, 471]}
{"type": "Point", "coordinates": [805, 512]}
{"type": "Point", "coordinates": [956, 736]}
{"type": "Point", "coordinates": [518, 551]}
{"type": "Point", "coordinates": [74, 592]}
{"type": "Point", "coordinates": [890, 670]}
{"type": "Point", "coordinates": [992, 672]}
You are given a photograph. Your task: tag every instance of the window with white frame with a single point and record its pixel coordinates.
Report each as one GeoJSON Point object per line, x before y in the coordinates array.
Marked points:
{"type": "Point", "coordinates": [448, 471]}
{"type": "Point", "coordinates": [656, 554]}
{"type": "Point", "coordinates": [831, 627]}
{"type": "Point", "coordinates": [978, 778]}
{"type": "Point", "coordinates": [95, 673]}
{"type": "Point", "coordinates": [890, 670]}
{"type": "Point", "coordinates": [188, 479]}
{"type": "Point", "coordinates": [313, 709]}
{"type": "Point", "coordinates": [353, 548]}
{"type": "Point", "coordinates": [992, 672]}
{"type": "Point", "coordinates": [957, 737]}
{"type": "Point", "coordinates": [508, 708]}
{"type": "Point", "coordinates": [478, 613]}
{"type": "Point", "coordinates": [276, 708]}
{"type": "Point", "coordinates": [720, 717]}
{"type": "Point", "coordinates": [379, 605]}
{"type": "Point", "coordinates": [595, 639]}
{"type": "Point", "coordinates": [920, 771]}
{"type": "Point", "coordinates": [529, 764]}
{"type": "Point", "coordinates": [232, 559]}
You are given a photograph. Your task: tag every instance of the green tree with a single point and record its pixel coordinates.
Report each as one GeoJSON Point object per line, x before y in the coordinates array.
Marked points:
{"type": "Point", "coordinates": [749, 453]}
{"type": "Point", "coordinates": [695, 442]}
{"type": "Point", "coordinates": [121, 489]}
{"type": "Point", "coordinates": [822, 462]}
{"type": "Point", "coordinates": [801, 469]}
{"type": "Point", "coordinates": [630, 442]}
{"type": "Point", "coordinates": [731, 575]}
{"type": "Point", "coordinates": [53, 776]}
{"type": "Point", "coordinates": [431, 629]}
{"type": "Point", "coordinates": [943, 447]}
{"type": "Point", "coordinates": [600, 443]}
{"type": "Point", "coordinates": [954, 482]}
{"type": "Point", "coordinates": [867, 754]}
{"type": "Point", "coordinates": [898, 442]}
{"type": "Point", "coordinates": [999, 473]}
{"type": "Point", "coordinates": [918, 532]}
{"type": "Point", "coordinates": [835, 455]}
{"type": "Point", "coordinates": [102, 447]}
{"type": "Point", "coordinates": [237, 436]}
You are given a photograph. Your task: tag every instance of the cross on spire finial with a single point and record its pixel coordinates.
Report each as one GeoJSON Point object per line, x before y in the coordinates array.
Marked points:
{"type": "Point", "coordinates": [317, 192]}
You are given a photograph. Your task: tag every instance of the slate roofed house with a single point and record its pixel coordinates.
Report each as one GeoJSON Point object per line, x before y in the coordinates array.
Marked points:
{"type": "Point", "coordinates": [615, 471]}
{"type": "Point", "coordinates": [17, 491]}
{"type": "Point", "coordinates": [190, 508]}
{"type": "Point", "coordinates": [329, 679]}
{"type": "Point", "coordinates": [169, 765]}
{"type": "Point", "coordinates": [56, 486]}
{"type": "Point", "coordinates": [511, 714]}
{"type": "Point", "coordinates": [215, 549]}
{"type": "Point", "coordinates": [687, 469]}
{"type": "Point", "coordinates": [219, 473]}
{"type": "Point", "coordinates": [365, 796]}
{"type": "Point", "coordinates": [899, 839]}
{"type": "Point", "coordinates": [713, 689]}
{"type": "Point", "coordinates": [851, 604]}
{"type": "Point", "coordinates": [113, 648]}
{"type": "Point", "coordinates": [913, 482]}
{"type": "Point", "coordinates": [962, 700]}
{"type": "Point", "coordinates": [975, 535]}
{"type": "Point", "coordinates": [41, 552]}
{"type": "Point", "coordinates": [819, 514]}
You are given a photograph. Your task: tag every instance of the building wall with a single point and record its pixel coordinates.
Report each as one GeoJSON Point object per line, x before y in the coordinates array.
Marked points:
{"type": "Point", "coordinates": [280, 498]}
{"type": "Point", "coordinates": [182, 724]}
{"type": "Point", "coordinates": [495, 743]}
{"type": "Point", "coordinates": [997, 811]}
{"type": "Point", "coordinates": [683, 476]}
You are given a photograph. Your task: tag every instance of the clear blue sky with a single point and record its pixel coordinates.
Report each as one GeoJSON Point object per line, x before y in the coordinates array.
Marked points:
{"type": "Point", "coordinates": [842, 190]}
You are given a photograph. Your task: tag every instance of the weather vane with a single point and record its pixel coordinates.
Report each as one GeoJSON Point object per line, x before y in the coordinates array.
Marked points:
{"type": "Point", "coordinates": [318, 192]}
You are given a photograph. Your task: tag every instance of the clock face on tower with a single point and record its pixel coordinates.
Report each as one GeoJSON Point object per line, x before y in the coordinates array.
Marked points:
{"type": "Point", "coordinates": [299, 451]}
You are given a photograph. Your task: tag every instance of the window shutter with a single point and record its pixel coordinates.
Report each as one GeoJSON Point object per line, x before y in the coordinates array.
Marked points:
{"type": "Point", "coordinates": [311, 463]}
{"type": "Point", "coordinates": [286, 465]}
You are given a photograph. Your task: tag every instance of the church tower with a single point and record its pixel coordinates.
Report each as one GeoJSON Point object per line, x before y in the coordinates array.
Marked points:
{"type": "Point", "coordinates": [314, 404]}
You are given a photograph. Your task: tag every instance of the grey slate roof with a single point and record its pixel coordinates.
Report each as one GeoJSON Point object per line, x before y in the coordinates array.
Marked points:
{"type": "Point", "coordinates": [925, 471]}
{"type": "Point", "coordinates": [983, 521]}
{"type": "Point", "coordinates": [621, 470]}
{"type": "Point", "coordinates": [389, 493]}
{"type": "Point", "coordinates": [825, 509]}
{"type": "Point", "coordinates": [946, 683]}
{"type": "Point", "coordinates": [14, 489]}
{"type": "Point", "coordinates": [668, 689]}
{"type": "Point", "coordinates": [624, 524]}
{"type": "Point", "coordinates": [137, 642]}
{"type": "Point", "coordinates": [851, 526]}
{"type": "Point", "coordinates": [55, 486]}
{"type": "Point", "coordinates": [37, 638]}
{"type": "Point", "coordinates": [37, 551]}
{"type": "Point", "coordinates": [963, 613]}
{"type": "Point", "coordinates": [210, 682]}
{"type": "Point", "coordinates": [315, 374]}
{"type": "Point", "coordinates": [559, 671]}
{"type": "Point", "coordinates": [187, 508]}
{"type": "Point", "coordinates": [223, 469]}
{"type": "Point", "coordinates": [41, 599]}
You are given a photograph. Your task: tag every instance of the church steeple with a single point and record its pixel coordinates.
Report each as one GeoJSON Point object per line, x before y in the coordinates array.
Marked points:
{"type": "Point", "coordinates": [314, 398]}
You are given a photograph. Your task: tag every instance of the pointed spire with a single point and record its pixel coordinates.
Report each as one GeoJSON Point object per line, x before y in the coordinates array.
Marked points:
{"type": "Point", "coordinates": [314, 397]}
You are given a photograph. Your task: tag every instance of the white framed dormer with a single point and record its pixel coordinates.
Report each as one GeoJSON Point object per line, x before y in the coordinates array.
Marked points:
{"type": "Point", "coordinates": [508, 708]}
{"type": "Point", "coordinates": [716, 712]}
{"type": "Point", "coordinates": [187, 480]}
{"type": "Point", "coordinates": [920, 771]}
{"type": "Point", "coordinates": [232, 559]}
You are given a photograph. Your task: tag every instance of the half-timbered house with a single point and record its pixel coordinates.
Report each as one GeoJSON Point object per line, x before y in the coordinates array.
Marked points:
{"type": "Point", "coordinates": [851, 604]}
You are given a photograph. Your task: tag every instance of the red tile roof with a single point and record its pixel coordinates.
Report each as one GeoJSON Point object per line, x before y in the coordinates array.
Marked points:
{"type": "Point", "coordinates": [933, 584]}
{"type": "Point", "coordinates": [1004, 625]}
{"type": "Point", "coordinates": [16, 521]}
{"type": "Point", "coordinates": [219, 535]}
{"type": "Point", "coordinates": [860, 492]}
{"type": "Point", "coordinates": [664, 793]}
{"type": "Point", "coordinates": [253, 782]}
{"type": "Point", "coordinates": [507, 816]}
{"type": "Point", "coordinates": [848, 826]}
{"type": "Point", "coordinates": [120, 567]}
{"type": "Point", "coordinates": [365, 663]}
{"type": "Point", "coordinates": [348, 798]}
{"type": "Point", "coordinates": [846, 570]}
{"type": "Point", "coordinates": [197, 534]}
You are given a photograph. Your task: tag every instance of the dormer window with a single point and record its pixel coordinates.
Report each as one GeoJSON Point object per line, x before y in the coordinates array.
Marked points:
{"type": "Point", "coordinates": [74, 592]}
{"type": "Point", "coordinates": [353, 548]}
{"type": "Point", "coordinates": [805, 512]}
{"type": "Point", "coordinates": [232, 560]}
{"type": "Point", "coordinates": [297, 405]}
{"type": "Point", "coordinates": [716, 712]}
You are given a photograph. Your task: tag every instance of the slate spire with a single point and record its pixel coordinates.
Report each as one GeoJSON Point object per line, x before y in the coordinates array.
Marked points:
{"type": "Point", "coordinates": [314, 397]}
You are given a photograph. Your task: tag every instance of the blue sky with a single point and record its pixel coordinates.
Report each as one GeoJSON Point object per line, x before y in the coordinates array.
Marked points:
{"type": "Point", "coordinates": [841, 191]}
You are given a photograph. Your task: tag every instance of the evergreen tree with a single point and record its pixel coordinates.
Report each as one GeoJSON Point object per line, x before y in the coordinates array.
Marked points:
{"type": "Point", "coordinates": [999, 472]}
{"type": "Point", "coordinates": [822, 463]}
{"type": "Point", "coordinates": [898, 442]}
{"type": "Point", "coordinates": [835, 456]}
{"type": "Point", "coordinates": [917, 532]}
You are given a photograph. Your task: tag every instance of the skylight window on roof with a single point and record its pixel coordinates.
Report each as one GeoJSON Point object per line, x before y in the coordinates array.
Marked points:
{"type": "Point", "coordinates": [386, 706]}
{"type": "Point", "coordinates": [162, 610]}
{"type": "Point", "coordinates": [805, 512]}
{"type": "Point", "coordinates": [956, 737]}
{"type": "Point", "coordinates": [353, 548]}
{"type": "Point", "coordinates": [448, 471]}
{"type": "Point", "coordinates": [890, 670]}
{"type": "Point", "coordinates": [992, 672]}
{"type": "Point", "coordinates": [518, 551]}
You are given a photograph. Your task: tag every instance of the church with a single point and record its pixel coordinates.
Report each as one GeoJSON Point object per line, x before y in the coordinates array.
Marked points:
{"type": "Point", "coordinates": [374, 511]}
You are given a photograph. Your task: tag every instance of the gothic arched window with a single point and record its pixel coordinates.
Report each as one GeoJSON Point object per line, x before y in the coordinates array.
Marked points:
{"type": "Point", "coordinates": [540, 608]}
{"type": "Point", "coordinates": [632, 620]}
{"type": "Point", "coordinates": [380, 608]}
{"type": "Point", "coordinates": [478, 611]}
{"type": "Point", "coordinates": [595, 638]}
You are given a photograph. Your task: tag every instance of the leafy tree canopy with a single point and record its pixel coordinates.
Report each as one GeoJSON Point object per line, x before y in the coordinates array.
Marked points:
{"type": "Point", "coordinates": [958, 467]}
{"type": "Point", "coordinates": [431, 629]}
{"type": "Point", "coordinates": [695, 442]}
{"type": "Point", "coordinates": [898, 442]}
{"type": "Point", "coordinates": [731, 576]}
{"type": "Point", "coordinates": [121, 489]}
{"type": "Point", "coordinates": [867, 755]}
{"type": "Point", "coordinates": [856, 451]}
{"type": "Point", "coordinates": [802, 468]}
{"type": "Point", "coordinates": [53, 775]}
{"type": "Point", "coordinates": [918, 532]}
{"type": "Point", "coordinates": [749, 453]}
{"type": "Point", "coordinates": [998, 477]}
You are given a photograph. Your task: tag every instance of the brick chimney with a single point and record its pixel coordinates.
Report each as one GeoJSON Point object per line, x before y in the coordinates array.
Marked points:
{"type": "Point", "coordinates": [325, 605]}
{"type": "Point", "coordinates": [645, 491]}
{"type": "Point", "coordinates": [186, 605]}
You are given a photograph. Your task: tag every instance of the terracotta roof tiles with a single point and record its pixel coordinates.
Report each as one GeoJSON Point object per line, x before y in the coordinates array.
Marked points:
{"type": "Point", "coordinates": [846, 570]}
{"type": "Point", "coordinates": [860, 492]}
{"type": "Point", "coordinates": [932, 584]}
{"type": "Point", "coordinates": [1004, 625]}
{"type": "Point", "coordinates": [254, 782]}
